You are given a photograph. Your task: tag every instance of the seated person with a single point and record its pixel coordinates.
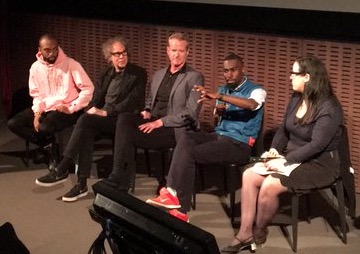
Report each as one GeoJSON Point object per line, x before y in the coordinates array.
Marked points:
{"type": "Point", "coordinates": [60, 89]}
{"type": "Point", "coordinates": [121, 88]}
{"type": "Point", "coordinates": [232, 140]}
{"type": "Point", "coordinates": [309, 136]}
{"type": "Point", "coordinates": [171, 110]}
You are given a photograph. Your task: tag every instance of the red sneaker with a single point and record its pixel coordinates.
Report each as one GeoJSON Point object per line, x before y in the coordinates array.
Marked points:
{"type": "Point", "coordinates": [179, 215]}
{"type": "Point", "coordinates": [165, 200]}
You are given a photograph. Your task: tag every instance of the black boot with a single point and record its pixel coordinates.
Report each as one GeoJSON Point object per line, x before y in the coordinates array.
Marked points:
{"type": "Point", "coordinates": [52, 153]}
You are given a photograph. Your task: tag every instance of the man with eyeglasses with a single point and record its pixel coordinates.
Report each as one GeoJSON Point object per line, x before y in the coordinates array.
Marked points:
{"type": "Point", "coordinates": [60, 89]}
{"type": "Point", "coordinates": [121, 88]}
{"type": "Point", "coordinates": [241, 104]}
{"type": "Point", "coordinates": [170, 111]}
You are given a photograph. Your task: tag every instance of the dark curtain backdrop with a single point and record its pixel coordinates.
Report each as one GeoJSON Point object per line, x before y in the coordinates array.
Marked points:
{"type": "Point", "coordinates": [4, 59]}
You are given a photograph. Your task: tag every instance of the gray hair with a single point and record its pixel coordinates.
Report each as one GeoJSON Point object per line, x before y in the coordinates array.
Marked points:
{"type": "Point", "coordinates": [107, 45]}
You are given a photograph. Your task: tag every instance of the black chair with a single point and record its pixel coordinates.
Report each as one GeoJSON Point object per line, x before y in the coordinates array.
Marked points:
{"type": "Point", "coordinates": [61, 138]}
{"type": "Point", "coordinates": [20, 101]}
{"type": "Point", "coordinates": [338, 187]}
{"type": "Point", "coordinates": [104, 148]}
{"type": "Point", "coordinates": [231, 175]}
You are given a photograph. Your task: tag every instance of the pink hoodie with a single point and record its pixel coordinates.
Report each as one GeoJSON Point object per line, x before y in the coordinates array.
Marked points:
{"type": "Point", "coordinates": [63, 83]}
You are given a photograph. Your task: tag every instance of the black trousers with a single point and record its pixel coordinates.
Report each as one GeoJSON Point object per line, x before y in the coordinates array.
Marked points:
{"type": "Point", "coordinates": [202, 148]}
{"type": "Point", "coordinates": [127, 138]}
{"type": "Point", "coordinates": [88, 129]}
{"type": "Point", "coordinates": [50, 123]}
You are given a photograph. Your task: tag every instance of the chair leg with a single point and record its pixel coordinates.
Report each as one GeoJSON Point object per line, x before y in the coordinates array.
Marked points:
{"type": "Point", "coordinates": [197, 173]}
{"type": "Point", "coordinates": [232, 205]}
{"type": "Point", "coordinates": [133, 179]}
{"type": "Point", "coordinates": [226, 187]}
{"type": "Point", "coordinates": [294, 220]}
{"type": "Point", "coordinates": [132, 188]}
{"type": "Point", "coordinates": [307, 208]}
{"type": "Point", "coordinates": [193, 205]}
{"type": "Point", "coordinates": [202, 179]}
{"type": "Point", "coordinates": [341, 207]}
{"type": "Point", "coordinates": [27, 153]}
{"type": "Point", "coordinates": [164, 167]}
{"type": "Point", "coordinates": [147, 161]}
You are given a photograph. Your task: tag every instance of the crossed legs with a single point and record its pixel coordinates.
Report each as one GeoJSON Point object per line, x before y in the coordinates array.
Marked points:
{"type": "Point", "coordinates": [259, 204]}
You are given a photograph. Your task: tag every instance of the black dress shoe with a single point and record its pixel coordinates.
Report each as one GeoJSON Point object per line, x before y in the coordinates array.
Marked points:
{"type": "Point", "coordinates": [234, 249]}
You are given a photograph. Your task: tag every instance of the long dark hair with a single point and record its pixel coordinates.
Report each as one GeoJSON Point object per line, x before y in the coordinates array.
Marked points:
{"type": "Point", "coordinates": [317, 89]}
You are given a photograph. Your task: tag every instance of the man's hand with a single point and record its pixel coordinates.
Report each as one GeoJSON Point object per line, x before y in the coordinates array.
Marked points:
{"type": "Point", "coordinates": [150, 126]}
{"type": "Point", "coordinates": [275, 164]}
{"type": "Point", "coordinates": [36, 122]}
{"type": "Point", "coordinates": [63, 109]}
{"type": "Point", "coordinates": [96, 111]}
{"type": "Point", "coordinates": [204, 95]}
{"type": "Point", "coordinates": [272, 153]}
{"type": "Point", "coordinates": [219, 109]}
{"type": "Point", "coordinates": [145, 114]}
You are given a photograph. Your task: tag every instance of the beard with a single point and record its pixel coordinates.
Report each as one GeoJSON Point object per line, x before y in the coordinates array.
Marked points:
{"type": "Point", "coordinates": [50, 60]}
{"type": "Point", "coordinates": [232, 86]}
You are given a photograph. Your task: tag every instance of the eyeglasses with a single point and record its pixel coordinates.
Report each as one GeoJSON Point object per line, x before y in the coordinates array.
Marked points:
{"type": "Point", "coordinates": [295, 73]}
{"type": "Point", "coordinates": [118, 54]}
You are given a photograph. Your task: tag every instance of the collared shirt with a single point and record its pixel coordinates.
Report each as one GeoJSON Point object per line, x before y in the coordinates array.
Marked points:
{"type": "Point", "coordinates": [113, 90]}
{"type": "Point", "coordinates": [163, 94]}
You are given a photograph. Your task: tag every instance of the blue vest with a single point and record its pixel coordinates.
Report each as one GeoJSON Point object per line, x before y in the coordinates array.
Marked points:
{"type": "Point", "coordinates": [237, 123]}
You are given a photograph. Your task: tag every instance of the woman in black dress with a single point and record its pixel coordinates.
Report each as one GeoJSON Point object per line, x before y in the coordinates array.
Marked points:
{"type": "Point", "coordinates": [307, 142]}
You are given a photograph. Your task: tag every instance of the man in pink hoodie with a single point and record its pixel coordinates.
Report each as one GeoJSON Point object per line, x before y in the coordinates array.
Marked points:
{"type": "Point", "coordinates": [60, 89]}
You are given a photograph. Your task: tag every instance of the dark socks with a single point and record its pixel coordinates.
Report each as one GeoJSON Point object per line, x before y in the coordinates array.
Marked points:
{"type": "Point", "coordinates": [82, 182]}
{"type": "Point", "coordinates": [65, 164]}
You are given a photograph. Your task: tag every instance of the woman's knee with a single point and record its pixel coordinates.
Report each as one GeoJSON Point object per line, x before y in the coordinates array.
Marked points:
{"type": "Point", "coordinates": [250, 179]}
{"type": "Point", "coordinates": [249, 175]}
{"type": "Point", "coordinates": [272, 186]}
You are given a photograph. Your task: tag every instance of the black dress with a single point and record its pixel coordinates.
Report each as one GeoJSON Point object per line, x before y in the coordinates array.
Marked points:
{"type": "Point", "coordinates": [314, 145]}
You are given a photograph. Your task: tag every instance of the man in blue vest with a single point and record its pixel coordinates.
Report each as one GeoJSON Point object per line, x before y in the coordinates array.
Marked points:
{"type": "Point", "coordinates": [239, 108]}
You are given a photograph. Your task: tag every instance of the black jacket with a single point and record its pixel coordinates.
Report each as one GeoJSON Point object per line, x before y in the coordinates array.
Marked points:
{"type": "Point", "coordinates": [131, 97]}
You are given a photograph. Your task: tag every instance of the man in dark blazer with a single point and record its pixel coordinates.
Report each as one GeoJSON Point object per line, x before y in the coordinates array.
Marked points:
{"type": "Point", "coordinates": [171, 110]}
{"type": "Point", "coordinates": [121, 88]}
